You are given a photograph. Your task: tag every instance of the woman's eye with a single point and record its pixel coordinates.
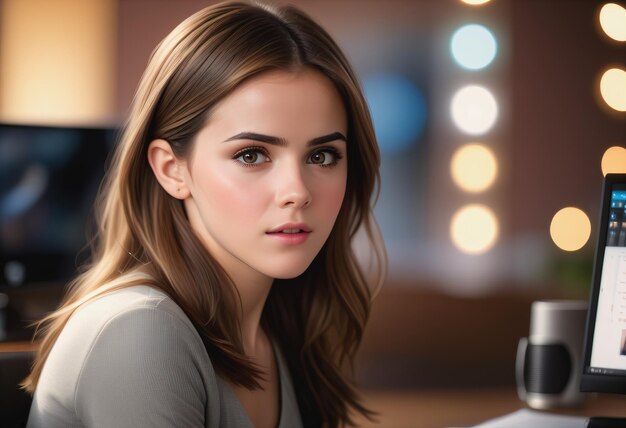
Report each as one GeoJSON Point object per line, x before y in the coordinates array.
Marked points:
{"type": "Point", "coordinates": [324, 157]}
{"type": "Point", "coordinates": [251, 157]}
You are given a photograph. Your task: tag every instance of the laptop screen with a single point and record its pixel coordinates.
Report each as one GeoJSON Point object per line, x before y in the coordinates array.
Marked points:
{"type": "Point", "coordinates": [605, 344]}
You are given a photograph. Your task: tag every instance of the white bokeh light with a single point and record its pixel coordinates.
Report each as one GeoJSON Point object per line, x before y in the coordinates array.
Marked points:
{"type": "Point", "coordinates": [474, 109]}
{"type": "Point", "coordinates": [613, 88]}
{"type": "Point", "coordinates": [473, 47]}
{"type": "Point", "coordinates": [613, 21]}
{"type": "Point", "coordinates": [475, 2]}
{"type": "Point", "coordinates": [474, 229]}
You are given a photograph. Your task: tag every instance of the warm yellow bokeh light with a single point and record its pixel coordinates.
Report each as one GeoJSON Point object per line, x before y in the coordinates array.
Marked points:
{"type": "Point", "coordinates": [475, 2]}
{"type": "Point", "coordinates": [613, 88]}
{"type": "Point", "coordinates": [474, 168]}
{"type": "Point", "coordinates": [613, 21]}
{"type": "Point", "coordinates": [570, 229]}
{"type": "Point", "coordinates": [474, 229]}
{"type": "Point", "coordinates": [614, 160]}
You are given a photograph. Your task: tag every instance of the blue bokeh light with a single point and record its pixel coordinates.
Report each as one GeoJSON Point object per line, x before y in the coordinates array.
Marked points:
{"type": "Point", "coordinates": [473, 47]}
{"type": "Point", "coordinates": [398, 110]}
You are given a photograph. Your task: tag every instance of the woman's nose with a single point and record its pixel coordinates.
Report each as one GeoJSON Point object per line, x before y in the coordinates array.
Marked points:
{"type": "Point", "coordinates": [292, 189]}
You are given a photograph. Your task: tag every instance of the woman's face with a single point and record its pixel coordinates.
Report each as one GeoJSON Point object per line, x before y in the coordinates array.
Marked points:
{"type": "Point", "coordinates": [267, 174]}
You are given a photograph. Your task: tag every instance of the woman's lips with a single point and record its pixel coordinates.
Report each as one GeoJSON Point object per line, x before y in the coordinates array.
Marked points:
{"type": "Point", "coordinates": [291, 228]}
{"type": "Point", "coordinates": [290, 236]}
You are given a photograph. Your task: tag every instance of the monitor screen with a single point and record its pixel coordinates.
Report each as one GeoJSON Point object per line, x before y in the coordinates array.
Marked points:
{"type": "Point", "coordinates": [604, 360]}
{"type": "Point", "coordinates": [49, 177]}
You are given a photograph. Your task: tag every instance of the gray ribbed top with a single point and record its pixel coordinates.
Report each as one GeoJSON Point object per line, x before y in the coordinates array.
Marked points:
{"type": "Point", "coordinates": [132, 358]}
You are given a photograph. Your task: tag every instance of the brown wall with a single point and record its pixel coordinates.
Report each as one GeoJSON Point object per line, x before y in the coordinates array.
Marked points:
{"type": "Point", "coordinates": [560, 129]}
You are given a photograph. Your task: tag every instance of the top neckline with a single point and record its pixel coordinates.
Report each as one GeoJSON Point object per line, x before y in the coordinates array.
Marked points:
{"type": "Point", "coordinates": [280, 363]}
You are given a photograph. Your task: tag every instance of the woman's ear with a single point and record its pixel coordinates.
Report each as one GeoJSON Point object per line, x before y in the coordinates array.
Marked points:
{"type": "Point", "coordinates": [167, 169]}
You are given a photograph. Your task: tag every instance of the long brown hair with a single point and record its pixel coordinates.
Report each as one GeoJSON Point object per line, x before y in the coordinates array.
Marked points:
{"type": "Point", "coordinates": [144, 237]}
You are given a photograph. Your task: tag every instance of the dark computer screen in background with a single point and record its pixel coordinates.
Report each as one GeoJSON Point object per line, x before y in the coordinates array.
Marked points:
{"type": "Point", "coordinates": [49, 177]}
{"type": "Point", "coordinates": [604, 360]}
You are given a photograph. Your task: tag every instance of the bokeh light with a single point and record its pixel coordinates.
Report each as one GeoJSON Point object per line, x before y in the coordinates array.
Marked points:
{"type": "Point", "coordinates": [570, 229]}
{"type": "Point", "coordinates": [474, 229]}
{"type": "Point", "coordinates": [474, 109]}
{"type": "Point", "coordinates": [398, 110]}
{"type": "Point", "coordinates": [614, 160]}
{"type": "Point", "coordinates": [613, 21]}
{"type": "Point", "coordinates": [474, 167]}
{"type": "Point", "coordinates": [473, 46]}
{"type": "Point", "coordinates": [613, 88]}
{"type": "Point", "coordinates": [475, 2]}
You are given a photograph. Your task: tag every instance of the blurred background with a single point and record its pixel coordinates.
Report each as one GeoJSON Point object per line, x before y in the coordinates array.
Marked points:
{"type": "Point", "coordinates": [496, 122]}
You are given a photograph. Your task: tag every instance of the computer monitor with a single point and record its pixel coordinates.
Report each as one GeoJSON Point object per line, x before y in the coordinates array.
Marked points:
{"type": "Point", "coordinates": [49, 177]}
{"type": "Point", "coordinates": [604, 360]}
{"type": "Point", "coordinates": [604, 354]}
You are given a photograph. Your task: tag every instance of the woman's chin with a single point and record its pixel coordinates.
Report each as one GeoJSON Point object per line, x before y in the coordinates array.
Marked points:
{"type": "Point", "coordinates": [288, 272]}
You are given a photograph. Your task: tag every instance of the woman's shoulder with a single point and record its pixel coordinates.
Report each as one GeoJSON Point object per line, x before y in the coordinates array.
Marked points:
{"type": "Point", "coordinates": [135, 351]}
{"type": "Point", "coordinates": [136, 317]}
{"type": "Point", "coordinates": [138, 299]}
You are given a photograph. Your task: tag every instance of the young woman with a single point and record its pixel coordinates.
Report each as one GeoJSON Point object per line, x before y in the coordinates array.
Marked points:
{"type": "Point", "coordinates": [223, 290]}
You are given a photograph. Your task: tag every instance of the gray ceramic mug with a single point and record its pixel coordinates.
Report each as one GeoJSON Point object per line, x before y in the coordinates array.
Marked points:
{"type": "Point", "coordinates": [548, 364]}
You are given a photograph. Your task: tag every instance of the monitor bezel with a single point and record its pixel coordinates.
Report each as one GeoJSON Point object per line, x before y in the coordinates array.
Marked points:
{"type": "Point", "coordinates": [600, 382]}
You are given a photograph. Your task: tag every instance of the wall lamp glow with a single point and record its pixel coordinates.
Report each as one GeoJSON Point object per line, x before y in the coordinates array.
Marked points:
{"type": "Point", "coordinates": [473, 47]}
{"type": "Point", "coordinates": [474, 109]}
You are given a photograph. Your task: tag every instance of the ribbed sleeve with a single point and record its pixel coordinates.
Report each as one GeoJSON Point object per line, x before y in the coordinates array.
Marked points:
{"type": "Point", "coordinates": [141, 371]}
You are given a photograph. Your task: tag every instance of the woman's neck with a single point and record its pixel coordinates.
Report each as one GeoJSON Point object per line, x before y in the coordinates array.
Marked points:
{"type": "Point", "coordinates": [253, 291]}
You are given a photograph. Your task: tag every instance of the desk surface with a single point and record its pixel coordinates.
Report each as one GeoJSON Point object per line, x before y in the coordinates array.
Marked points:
{"type": "Point", "coordinates": [17, 347]}
{"type": "Point", "coordinates": [463, 408]}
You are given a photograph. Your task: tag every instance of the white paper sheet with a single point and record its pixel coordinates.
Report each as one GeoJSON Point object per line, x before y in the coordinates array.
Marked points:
{"type": "Point", "coordinates": [526, 418]}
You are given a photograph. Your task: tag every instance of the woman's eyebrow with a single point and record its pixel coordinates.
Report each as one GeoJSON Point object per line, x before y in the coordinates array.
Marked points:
{"type": "Point", "coordinates": [328, 138]}
{"type": "Point", "coordinates": [278, 141]}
